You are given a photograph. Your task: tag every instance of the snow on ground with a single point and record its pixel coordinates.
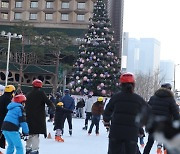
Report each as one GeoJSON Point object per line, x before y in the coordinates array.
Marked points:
{"type": "Point", "coordinates": [79, 143]}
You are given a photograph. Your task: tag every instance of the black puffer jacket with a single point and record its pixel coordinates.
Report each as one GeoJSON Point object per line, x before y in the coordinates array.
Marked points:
{"type": "Point", "coordinates": [163, 104]}
{"type": "Point", "coordinates": [122, 110]}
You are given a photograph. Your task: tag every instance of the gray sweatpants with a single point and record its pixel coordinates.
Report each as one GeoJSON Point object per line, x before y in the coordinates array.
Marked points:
{"type": "Point", "coordinates": [33, 142]}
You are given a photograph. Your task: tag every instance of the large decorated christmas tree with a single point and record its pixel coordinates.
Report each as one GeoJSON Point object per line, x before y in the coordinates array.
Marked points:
{"type": "Point", "coordinates": [97, 69]}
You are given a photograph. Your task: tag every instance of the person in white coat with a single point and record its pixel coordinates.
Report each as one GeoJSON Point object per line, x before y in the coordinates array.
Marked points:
{"type": "Point", "coordinates": [88, 106]}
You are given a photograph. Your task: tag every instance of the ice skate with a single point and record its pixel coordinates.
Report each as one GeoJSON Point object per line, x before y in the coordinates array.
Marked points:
{"type": "Point", "coordinates": [97, 134]}
{"type": "Point", "coordinates": [59, 139]}
{"type": "Point", "coordinates": [84, 128]}
{"type": "Point", "coordinates": [70, 132]}
{"type": "Point", "coordinates": [165, 151]}
{"type": "Point", "coordinates": [159, 151]}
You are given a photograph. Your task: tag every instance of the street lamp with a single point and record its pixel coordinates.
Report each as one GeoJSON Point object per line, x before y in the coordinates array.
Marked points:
{"type": "Point", "coordinates": [175, 76]}
{"type": "Point", "coordinates": [9, 36]}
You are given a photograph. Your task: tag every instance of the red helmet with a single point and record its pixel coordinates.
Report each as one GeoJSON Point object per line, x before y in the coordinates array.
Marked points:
{"type": "Point", "coordinates": [37, 83]}
{"type": "Point", "coordinates": [19, 98]}
{"type": "Point", "coordinates": [127, 78]}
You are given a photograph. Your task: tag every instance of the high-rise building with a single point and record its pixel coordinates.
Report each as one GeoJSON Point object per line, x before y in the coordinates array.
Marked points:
{"type": "Point", "coordinates": [47, 13]}
{"type": "Point", "coordinates": [167, 71]}
{"type": "Point", "coordinates": [143, 55]}
{"type": "Point", "coordinates": [116, 9]}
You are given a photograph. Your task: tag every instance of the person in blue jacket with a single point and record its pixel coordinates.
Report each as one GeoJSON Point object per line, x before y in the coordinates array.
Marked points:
{"type": "Point", "coordinates": [14, 119]}
{"type": "Point", "coordinates": [69, 104]}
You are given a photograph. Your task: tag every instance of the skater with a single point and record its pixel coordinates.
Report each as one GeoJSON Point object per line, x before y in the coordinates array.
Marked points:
{"type": "Point", "coordinates": [79, 107]}
{"type": "Point", "coordinates": [163, 106]}
{"type": "Point", "coordinates": [55, 100]}
{"type": "Point", "coordinates": [58, 121]}
{"type": "Point", "coordinates": [88, 106]}
{"type": "Point", "coordinates": [69, 104]}
{"type": "Point", "coordinates": [97, 110]}
{"type": "Point", "coordinates": [5, 99]}
{"type": "Point", "coordinates": [121, 111]}
{"type": "Point", "coordinates": [36, 117]}
{"type": "Point", "coordinates": [15, 118]}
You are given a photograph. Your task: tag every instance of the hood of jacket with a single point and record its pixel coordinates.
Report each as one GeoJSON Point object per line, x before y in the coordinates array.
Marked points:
{"type": "Point", "coordinates": [13, 105]}
{"type": "Point", "coordinates": [163, 92]}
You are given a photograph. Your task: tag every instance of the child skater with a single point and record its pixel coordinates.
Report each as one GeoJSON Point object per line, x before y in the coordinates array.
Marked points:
{"type": "Point", "coordinates": [58, 121]}
{"type": "Point", "coordinates": [97, 111]}
{"type": "Point", "coordinates": [14, 119]}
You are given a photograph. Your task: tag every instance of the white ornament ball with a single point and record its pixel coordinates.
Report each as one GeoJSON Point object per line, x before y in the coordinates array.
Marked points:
{"type": "Point", "coordinates": [85, 78]}
{"type": "Point", "coordinates": [77, 77]}
{"type": "Point", "coordinates": [103, 92]}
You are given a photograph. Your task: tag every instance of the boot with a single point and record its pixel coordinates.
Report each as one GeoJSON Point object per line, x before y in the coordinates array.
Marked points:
{"type": "Point", "coordinates": [59, 139]}
{"type": "Point", "coordinates": [70, 132]}
{"type": "Point", "coordinates": [165, 151]}
{"type": "Point", "coordinates": [159, 151]}
{"type": "Point", "coordinates": [34, 152]}
{"type": "Point", "coordinates": [28, 150]}
{"type": "Point", "coordinates": [85, 128]}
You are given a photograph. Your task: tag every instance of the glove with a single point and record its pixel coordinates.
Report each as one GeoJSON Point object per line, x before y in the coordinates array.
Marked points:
{"type": "Point", "coordinates": [106, 124]}
{"type": "Point", "coordinates": [25, 137]}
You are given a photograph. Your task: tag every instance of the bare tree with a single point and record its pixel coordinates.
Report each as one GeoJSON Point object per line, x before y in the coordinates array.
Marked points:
{"type": "Point", "coordinates": [147, 84]}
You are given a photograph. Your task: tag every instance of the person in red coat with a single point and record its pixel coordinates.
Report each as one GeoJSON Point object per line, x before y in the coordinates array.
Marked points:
{"type": "Point", "coordinates": [36, 117]}
{"type": "Point", "coordinates": [5, 99]}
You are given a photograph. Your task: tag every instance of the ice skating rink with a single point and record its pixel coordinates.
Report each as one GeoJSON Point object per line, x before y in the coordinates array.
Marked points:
{"type": "Point", "coordinates": [79, 142]}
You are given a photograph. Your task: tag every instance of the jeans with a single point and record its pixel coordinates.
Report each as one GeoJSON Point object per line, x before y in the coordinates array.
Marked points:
{"type": "Point", "coordinates": [95, 121]}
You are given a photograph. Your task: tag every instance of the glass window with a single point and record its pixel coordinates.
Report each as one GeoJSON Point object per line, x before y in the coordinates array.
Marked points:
{"type": "Point", "coordinates": [80, 17]}
{"type": "Point", "coordinates": [4, 15]}
{"type": "Point", "coordinates": [33, 16]}
{"type": "Point", "coordinates": [49, 5]}
{"type": "Point", "coordinates": [34, 4]}
{"type": "Point", "coordinates": [49, 16]}
{"type": "Point", "coordinates": [4, 4]}
{"type": "Point", "coordinates": [65, 17]}
{"type": "Point", "coordinates": [17, 15]}
{"type": "Point", "coordinates": [81, 5]}
{"type": "Point", "coordinates": [18, 4]}
{"type": "Point", "coordinates": [65, 5]}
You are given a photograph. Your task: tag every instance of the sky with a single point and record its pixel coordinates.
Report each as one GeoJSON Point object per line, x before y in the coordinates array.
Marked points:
{"type": "Point", "coordinates": [157, 19]}
{"type": "Point", "coordinates": [79, 142]}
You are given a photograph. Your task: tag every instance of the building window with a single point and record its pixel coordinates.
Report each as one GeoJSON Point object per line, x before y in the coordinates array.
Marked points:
{"type": "Point", "coordinates": [65, 17]}
{"type": "Point", "coordinates": [81, 5]}
{"type": "Point", "coordinates": [80, 17]}
{"type": "Point", "coordinates": [49, 5]}
{"type": "Point", "coordinates": [65, 5]}
{"type": "Point", "coordinates": [4, 4]}
{"type": "Point", "coordinates": [4, 15]}
{"type": "Point", "coordinates": [17, 15]}
{"type": "Point", "coordinates": [34, 4]}
{"type": "Point", "coordinates": [18, 4]}
{"type": "Point", "coordinates": [33, 16]}
{"type": "Point", "coordinates": [49, 16]}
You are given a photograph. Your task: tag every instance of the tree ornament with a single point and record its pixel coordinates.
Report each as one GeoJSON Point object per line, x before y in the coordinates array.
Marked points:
{"type": "Point", "coordinates": [85, 78]}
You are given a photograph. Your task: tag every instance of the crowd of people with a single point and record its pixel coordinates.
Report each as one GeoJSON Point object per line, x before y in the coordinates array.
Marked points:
{"type": "Point", "coordinates": [125, 117]}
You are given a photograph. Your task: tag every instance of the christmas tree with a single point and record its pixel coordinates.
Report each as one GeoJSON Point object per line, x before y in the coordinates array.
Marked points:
{"type": "Point", "coordinates": [97, 69]}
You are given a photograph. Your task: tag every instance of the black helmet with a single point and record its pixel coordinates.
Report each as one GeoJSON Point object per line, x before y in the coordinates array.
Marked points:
{"type": "Point", "coordinates": [166, 85]}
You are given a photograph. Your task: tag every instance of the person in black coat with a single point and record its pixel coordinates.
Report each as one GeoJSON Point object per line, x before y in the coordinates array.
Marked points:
{"type": "Point", "coordinates": [36, 116]}
{"type": "Point", "coordinates": [5, 99]}
{"type": "Point", "coordinates": [122, 110]}
{"type": "Point", "coordinates": [58, 121]}
{"type": "Point", "coordinates": [163, 106]}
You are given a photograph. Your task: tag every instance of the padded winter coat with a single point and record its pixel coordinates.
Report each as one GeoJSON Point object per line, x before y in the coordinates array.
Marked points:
{"type": "Point", "coordinates": [122, 110]}
{"type": "Point", "coordinates": [68, 102]}
{"type": "Point", "coordinates": [15, 118]}
{"type": "Point", "coordinates": [163, 104]}
{"type": "Point", "coordinates": [35, 111]}
{"type": "Point", "coordinates": [97, 108]}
